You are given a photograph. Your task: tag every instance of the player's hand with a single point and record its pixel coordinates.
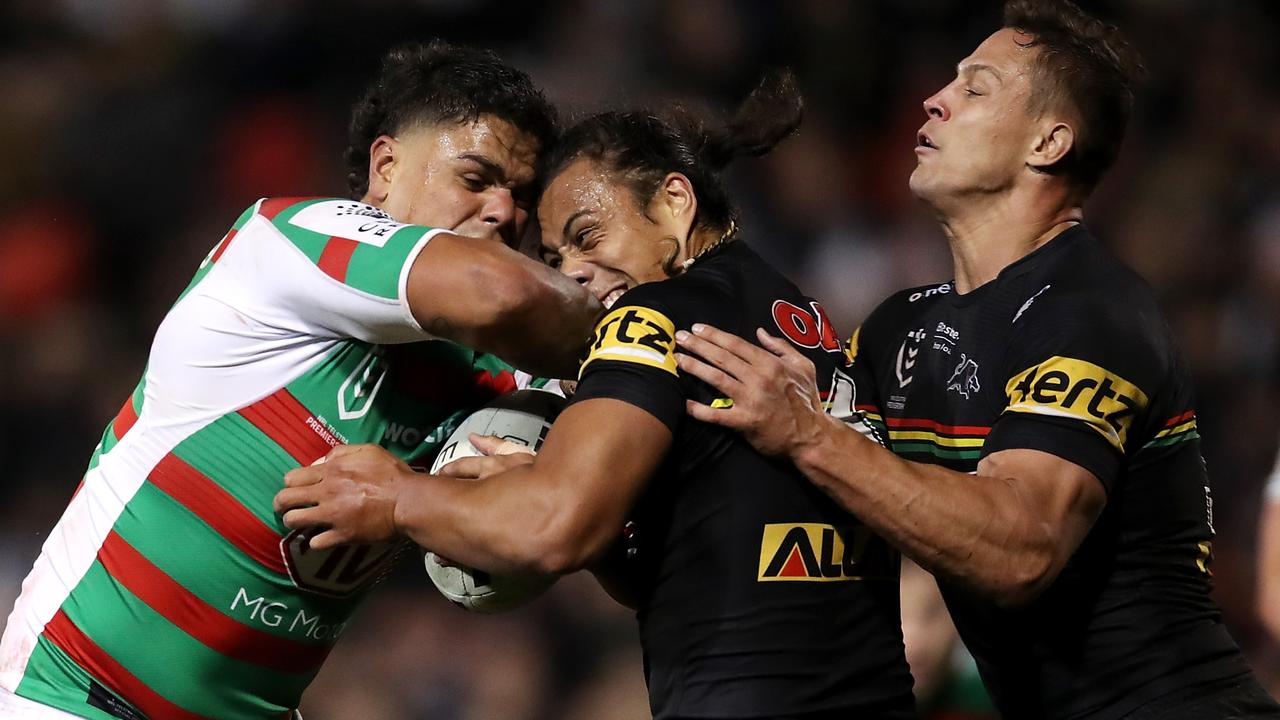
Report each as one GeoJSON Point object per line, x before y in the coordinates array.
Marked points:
{"type": "Point", "coordinates": [775, 398]}
{"type": "Point", "coordinates": [349, 496]}
{"type": "Point", "coordinates": [499, 456]}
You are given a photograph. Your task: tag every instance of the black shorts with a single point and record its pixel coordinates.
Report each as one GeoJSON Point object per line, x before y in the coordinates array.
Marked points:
{"type": "Point", "coordinates": [1239, 699]}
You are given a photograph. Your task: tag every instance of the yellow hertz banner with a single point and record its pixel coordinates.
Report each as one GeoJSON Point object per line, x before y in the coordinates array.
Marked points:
{"type": "Point", "coordinates": [811, 552]}
{"type": "Point", "coordinates": [635, 335]}
{"type": "Point", "coordinates": [1070, 388]}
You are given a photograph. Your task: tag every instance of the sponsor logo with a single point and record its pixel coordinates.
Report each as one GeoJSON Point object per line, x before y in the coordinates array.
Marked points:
{"type": "Point", "coordinates": [338, 571]}
{"type": "Point", "coordinates": [964, 379]}
{"type": "Point", "coordinates": [907, 353]}
{"type": "Point", "coordinates": [275, 614]}
{"type": "Point", "coordinates": [942, 289]}
{"type": "Point", "coordinates": [811, 552]}
{"type": "Point", "coordinates": [1070, 388]}
{"type": "Point", "coordinates": [945, 337]}
{"type": "Point", "coordinates": [635, 335]}
{"type": "Point", "coordinates": [806, 328]}
{"type": "Point", "coordinates": [356, 394]}
{"type": "Point", "coordinates": [1027, 304]}
{"type": "Point", "coordinates": [353, 221]}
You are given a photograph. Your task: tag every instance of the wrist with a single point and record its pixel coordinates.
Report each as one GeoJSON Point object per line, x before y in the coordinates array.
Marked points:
{"type": "Point", "coordinates": [400, 503]}
{"type": "Point", "coordinates": [807, 450]}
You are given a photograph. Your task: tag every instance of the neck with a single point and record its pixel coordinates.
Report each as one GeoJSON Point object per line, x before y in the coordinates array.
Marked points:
{"type": "Point", "coordinates": [702, 241]}
{"type": "Point", "coordinates": [989, 234]}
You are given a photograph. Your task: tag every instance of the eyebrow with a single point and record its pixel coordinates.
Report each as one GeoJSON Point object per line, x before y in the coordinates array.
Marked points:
{"type": "Point", "coordinates": [575, 216]}
{"type": "Point", "coordinates": [486, 163]}
{"type": "Point", "coordinates": [978, 67]}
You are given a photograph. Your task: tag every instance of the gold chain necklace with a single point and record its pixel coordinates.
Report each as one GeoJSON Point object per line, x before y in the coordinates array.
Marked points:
{"type": "Point", "coordinates": [726, 237]}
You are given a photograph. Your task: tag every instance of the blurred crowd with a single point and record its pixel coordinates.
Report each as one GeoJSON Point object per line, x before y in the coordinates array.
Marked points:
{"type": "Point", "coordinates": [132, 133]}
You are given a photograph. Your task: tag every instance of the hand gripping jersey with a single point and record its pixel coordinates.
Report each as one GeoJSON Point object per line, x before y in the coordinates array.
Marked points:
{"type": "Point", "coordinates": [760, 597]}
{"type": "Point", "coordinates": [1065, 352]}
{"type": "Point", "coordinates": [169, 588]}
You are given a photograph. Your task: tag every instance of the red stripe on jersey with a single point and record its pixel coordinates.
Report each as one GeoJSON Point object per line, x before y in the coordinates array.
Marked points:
{"type": "Point", "coordinates": [336, 256]}
{"type": "Point", "coordinates": [271, 207]}
{"type": "Point", "coordinates": [1179, 419]}
{"type": "Point", "coordinates": [222, 246]}
{"type": "Point", "coordinates": [220, 510]}
{"type": "Point", "coordinates": [105, 669]}
{"type": "Point", "coordinates": [936, 426]}
{"type": "Point", "coordinates": [200, 620]}
{"type": "Point", "coordinates": [281, 417]}
{"type": "Point", "coordinates": [124, 419]}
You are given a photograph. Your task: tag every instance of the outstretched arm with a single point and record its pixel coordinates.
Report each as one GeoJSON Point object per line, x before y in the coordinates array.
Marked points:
{"type": "Point", "coordinates": [484, 295]}
{"type": "Point", "coordinates": [1006, 532]}
{"type": "Point", "coordinates": [555, 515]}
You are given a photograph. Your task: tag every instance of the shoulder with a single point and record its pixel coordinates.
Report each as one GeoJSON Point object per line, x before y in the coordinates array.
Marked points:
{"type": "Point", "coordinates": [684, 299]}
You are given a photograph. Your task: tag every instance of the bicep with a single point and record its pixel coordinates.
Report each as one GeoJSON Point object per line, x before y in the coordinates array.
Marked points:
{"type": "Point", "coordinates": [601, 452]}
{"type": "Point", "coordinates": [1056, 494]}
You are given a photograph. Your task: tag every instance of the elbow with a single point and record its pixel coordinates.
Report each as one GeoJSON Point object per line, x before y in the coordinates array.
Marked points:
{"type": "Point", "coordinates": [1024, 580]}
{"type": "Point", "coordinates": [564, 547]}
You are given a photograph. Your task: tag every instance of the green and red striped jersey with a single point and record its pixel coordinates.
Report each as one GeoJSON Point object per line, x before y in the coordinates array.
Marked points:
{"type": "Point", "coordinates": [169, 583]}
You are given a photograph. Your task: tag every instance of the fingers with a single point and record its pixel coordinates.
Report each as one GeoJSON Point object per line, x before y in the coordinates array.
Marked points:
{"type": "Point", "coordinates": [717, 354]}
{"type": "Point", "coordinates": [713, 376]}
{"type": "Point", "coordinates": [291, 498]}
{"type": "Point", "coordinates": [476, 468]}
{"type": "Point", "coordinates": [304, 517]}
{"type": "Point", "coordinates": [493, 445]}
{"type": "Point", "coordinates": [790, 356]}
{"type": "Point", "coordinates": [326, 540]}
{"type": "Point", "coordinates": [303, 476]}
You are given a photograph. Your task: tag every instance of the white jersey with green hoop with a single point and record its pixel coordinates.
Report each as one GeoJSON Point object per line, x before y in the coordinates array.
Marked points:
{"type": "Point", "coordinates": [169, 588]}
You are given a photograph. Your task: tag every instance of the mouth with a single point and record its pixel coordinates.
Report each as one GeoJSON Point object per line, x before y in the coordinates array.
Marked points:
{"type": "Point", "coordinates": [924, 142]}
{"type": "Point", "coordinates": [612, 296]}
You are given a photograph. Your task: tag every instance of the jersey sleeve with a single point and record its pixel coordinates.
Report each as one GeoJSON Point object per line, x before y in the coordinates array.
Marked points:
{"type": "Point", "coordinates": [343, 267]}
{"type": "Point", "coordinates": [632, 359]}
{"type": "Point", "coordinates": [1078, 381]}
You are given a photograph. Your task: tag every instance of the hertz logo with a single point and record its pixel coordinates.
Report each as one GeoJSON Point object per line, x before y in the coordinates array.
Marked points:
{"type": "Point", "coordinates": [635, 334]}
{"type": "Point", "coordinates": [1070, 388]}
{"type": "Point", "coordinates": [811, 552]}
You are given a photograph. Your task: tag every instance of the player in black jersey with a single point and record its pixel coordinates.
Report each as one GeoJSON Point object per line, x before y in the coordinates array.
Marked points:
{"type": "Point", "coordinates": [1046, 463]}
{"type": "Point", "coordinates": [757, 595]}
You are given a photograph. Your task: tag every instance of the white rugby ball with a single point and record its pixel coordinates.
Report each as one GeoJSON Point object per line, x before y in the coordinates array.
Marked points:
{"type": "Point", "coordinates": [522, 417]}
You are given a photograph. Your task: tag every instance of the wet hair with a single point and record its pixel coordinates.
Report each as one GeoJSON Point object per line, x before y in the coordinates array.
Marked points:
{"type": "Point", "coordinates": [639, 148]}
{"type": "Point", "coordinates": [440, 82]}
{"type": "Point", "coordinates": [1085, 66]}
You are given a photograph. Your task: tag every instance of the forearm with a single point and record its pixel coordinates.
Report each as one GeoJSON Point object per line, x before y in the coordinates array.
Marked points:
{"type": "Point", "coordinates": [547, 334]}
{"type": "Point", "coordinates": [1269, 567]}
{"type": "Point", "coordinates": [513, 521]}
{"type": "Point", "coordinates": [973, 529]}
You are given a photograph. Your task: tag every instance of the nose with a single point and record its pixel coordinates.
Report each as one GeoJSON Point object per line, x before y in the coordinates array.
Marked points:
{"type": "Point", "coordinates": [935, 107]}
{"type": "Point", "coordinates": [500, 214]}
{"type": "Point", "coordinates": [582, 272]}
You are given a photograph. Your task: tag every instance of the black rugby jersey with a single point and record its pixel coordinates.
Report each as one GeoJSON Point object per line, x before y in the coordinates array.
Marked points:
{"type": "Point", "coordinates": [759, 596]}
{"type": "Point", "coordinates": [1065, 352]}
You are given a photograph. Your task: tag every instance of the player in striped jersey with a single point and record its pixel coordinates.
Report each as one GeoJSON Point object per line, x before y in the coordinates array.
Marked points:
{"type": "Point", "coordinates": [169, 589]}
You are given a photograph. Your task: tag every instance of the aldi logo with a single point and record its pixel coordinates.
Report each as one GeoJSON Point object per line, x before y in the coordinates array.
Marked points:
{"type": "Point", "coordinates": [811, 552]}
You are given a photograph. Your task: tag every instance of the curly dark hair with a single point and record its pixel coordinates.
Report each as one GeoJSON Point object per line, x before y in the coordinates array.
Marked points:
{"type": "Point", "coordinates": [437, 82]}
{"type": "Point", "coordinates": [1087, 66]}
{"type": "Point", "coordinates": [640, 147]}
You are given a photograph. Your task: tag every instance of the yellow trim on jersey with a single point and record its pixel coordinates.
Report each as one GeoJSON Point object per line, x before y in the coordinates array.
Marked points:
{"type": "Point", "coordinates": [851, 351]}
{"type": "Point", "coordinates": [1188, 425]}
{"type": "Point", "coordinates": [935, 438]}
{"type": "Point", "coordinates": [634, 334]}
{"type": "Point", "coordinates": [1079, 390]}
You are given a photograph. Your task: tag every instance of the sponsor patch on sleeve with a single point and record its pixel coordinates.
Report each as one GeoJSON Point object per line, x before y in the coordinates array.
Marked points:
{"type": "Point", "coordinates": [637, 335]}
{"type": "Point", "coordinates": [347, 219]}
{"type": "Point", "coordinates": [1079, 390]}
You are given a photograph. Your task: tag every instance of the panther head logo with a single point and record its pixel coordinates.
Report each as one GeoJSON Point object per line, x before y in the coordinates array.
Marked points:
{"type": "Point", "coordinates": [965, 378]}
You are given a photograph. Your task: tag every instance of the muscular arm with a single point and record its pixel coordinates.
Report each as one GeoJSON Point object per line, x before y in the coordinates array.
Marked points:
{"type": "Point", "coordinates": [556, 514]}
{"type": "Point", "coordinates": [1006, 532]}
{"type": "Point", "coordinates": [486, 296]}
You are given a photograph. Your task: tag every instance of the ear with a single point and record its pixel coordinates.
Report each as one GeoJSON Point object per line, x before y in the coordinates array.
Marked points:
{"type": "Point", "coordinates": [1051, 145]}
{"type": "Point", "coordinates": [676, 204]}
{"type": "Point", "coordinates": [382, 167]}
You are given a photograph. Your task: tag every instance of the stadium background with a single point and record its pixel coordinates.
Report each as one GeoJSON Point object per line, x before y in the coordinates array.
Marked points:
{"type": "Point", "coordinates": [132, 133]}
